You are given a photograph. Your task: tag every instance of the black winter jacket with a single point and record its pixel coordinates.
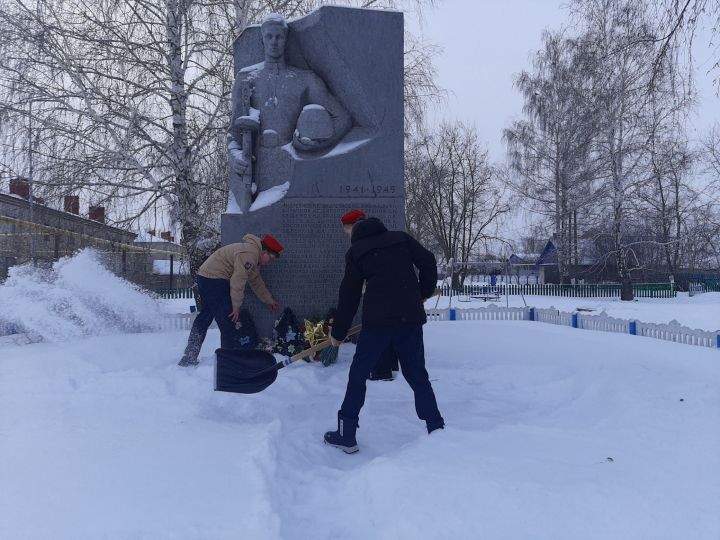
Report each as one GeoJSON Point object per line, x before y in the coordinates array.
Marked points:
{"type": "Point", "coordinates": [386, 260]}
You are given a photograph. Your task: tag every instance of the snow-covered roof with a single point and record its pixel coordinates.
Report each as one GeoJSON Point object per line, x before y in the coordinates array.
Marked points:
{"type": "Point", "coordinates": [145, 236]}
{"type": "Point", "coordinates": [523, 258]}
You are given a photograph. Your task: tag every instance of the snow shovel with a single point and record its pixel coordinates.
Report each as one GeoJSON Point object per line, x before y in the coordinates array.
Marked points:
{"type": "Point", "coordinates": [248, 371]}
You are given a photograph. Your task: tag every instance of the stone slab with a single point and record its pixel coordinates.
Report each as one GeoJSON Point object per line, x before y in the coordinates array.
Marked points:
{"type": "Point", "coordinates": [359, 55]}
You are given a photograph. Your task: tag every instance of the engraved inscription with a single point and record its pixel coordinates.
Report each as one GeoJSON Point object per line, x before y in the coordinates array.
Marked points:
{"type": "Point", "coordinates": [352, 189]}
{"type": "Point", "coordinates": [317, 249]}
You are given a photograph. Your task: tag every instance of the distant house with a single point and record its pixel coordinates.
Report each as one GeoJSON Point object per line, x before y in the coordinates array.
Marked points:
{"type": "Point", "coordinates": [35, 232]}
{"type": "Point", "coordinates": [583, 261]}
{"type": "Point", "coordinates": [524, 267]}
{"type": "Point", "coordinates": [526, 260]}
{"type": "Point", "coordinates": [168, 263]}
{"type": "Point", "coordinates": [592, 260]}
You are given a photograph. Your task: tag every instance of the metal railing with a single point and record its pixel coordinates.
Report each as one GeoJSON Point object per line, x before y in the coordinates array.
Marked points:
{"type": "Point", "coordinates": [703, 287]}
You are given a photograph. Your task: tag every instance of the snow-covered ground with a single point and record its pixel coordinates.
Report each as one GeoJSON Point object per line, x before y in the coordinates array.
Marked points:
{"type": "Point", "coordinates": [551, 434]}
{"type": "Point", "coordinates": [701, 311]}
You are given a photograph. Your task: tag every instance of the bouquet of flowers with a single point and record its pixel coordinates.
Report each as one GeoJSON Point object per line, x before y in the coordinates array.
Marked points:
{"type": "Point", "coordinates": [287, 334]}
{"type": "Point", "coordinates": [246, 332]}
{"type": "Point", "coordinates": [290, 337]}
{"type": "Point", "coordinates": [329, 355]}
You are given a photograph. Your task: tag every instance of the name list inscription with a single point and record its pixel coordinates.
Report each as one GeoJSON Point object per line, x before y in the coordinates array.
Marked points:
{"type": "Point", "coordinates": [316, 245]}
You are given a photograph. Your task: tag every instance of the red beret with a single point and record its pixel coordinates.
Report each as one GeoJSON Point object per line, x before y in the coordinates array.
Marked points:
{"type": "Point", "coordinates": [272, 245]}
{"type": "Point", "coordinates": [352, 217]}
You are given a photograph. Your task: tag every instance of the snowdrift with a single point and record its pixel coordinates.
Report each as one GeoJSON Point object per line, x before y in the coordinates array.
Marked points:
{"type": "Point", "coordinates": [77, 297]}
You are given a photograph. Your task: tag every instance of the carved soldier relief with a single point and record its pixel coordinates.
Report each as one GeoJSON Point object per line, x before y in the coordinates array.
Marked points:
{"type": "Point", "coordinates": [276, 105]}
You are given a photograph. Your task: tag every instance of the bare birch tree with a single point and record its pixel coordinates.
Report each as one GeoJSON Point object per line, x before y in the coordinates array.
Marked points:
{"type": "Point", "coordinates": [550, 151]}
{"type": "Point", "coordinates": [456, 198]}
{"type": "Point", "coordinates": [678, 24]}
{"type": "Point", "coordinates": [602, 138]}
{"type": "Point", "coordinates": [707, 229]}
{"type": "Point", "coordinates": [623, 42]}
{"type": "Point", "coordinates": [128, 101]}
{"type": "Point", "coordinates": [130, 95]}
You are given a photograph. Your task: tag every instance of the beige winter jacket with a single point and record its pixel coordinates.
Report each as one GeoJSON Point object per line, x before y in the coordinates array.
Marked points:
{"type": "Point", "coordinates": [239, 264]}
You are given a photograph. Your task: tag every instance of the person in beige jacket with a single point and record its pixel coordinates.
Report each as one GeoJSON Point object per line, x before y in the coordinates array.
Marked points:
{"type": "Point", "coordinates": [221, 281]}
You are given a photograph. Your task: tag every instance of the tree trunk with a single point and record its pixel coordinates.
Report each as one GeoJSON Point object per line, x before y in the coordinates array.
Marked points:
{"type": "Point", "coordinates": [627, 290]}
{"type": "Point", "coordinates": [457, 279]}
{"type": "Point", "coordinates": [187, 210]}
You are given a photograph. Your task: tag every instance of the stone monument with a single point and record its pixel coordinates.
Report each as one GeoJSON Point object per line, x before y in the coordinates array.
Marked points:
{"type": "Point", "coordinates": [316, 130]}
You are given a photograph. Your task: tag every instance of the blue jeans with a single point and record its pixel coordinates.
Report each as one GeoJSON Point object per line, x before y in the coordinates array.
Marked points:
{"type": "Point", "coordinates": [407, 342]}
{"type": "Point", "coordinates": [216, 305]}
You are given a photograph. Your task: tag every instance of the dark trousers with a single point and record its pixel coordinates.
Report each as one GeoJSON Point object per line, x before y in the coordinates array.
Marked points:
{"type": "Point", "coordinates": [216, 305]}
{"type": "Point", "coordinates": [407, 342]}
{"type": "Point", "coordinates": [386, 365]}
{"type": "Point", "coordinates": [383, 370]}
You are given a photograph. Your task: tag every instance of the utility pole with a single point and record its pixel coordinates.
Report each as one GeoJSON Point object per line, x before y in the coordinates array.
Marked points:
{"type": "Point", "coordinates": [30, 181]}
{"type": "Point", "coordinates": [31, 142]}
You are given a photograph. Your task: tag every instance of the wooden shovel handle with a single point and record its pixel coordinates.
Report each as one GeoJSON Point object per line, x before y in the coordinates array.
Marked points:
{"type": "Point", "coordinates": [323, 345]}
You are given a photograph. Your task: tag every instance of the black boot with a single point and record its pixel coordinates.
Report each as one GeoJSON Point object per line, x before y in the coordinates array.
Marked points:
{"type": "Point", "coordinates": [344, 437]}
{"type": "Point", "coordinates": [432, 425]}
{"type": "Point", "coordinates": [381, 376]}
{"type": "Point", "coordinates": [190, 356]}
{"type": "Point", "coordinates": [192, 350]}
{"type": "Point", "coordinates": [383, 370]}
{"type": "Point", "coordinates": [188, 360]}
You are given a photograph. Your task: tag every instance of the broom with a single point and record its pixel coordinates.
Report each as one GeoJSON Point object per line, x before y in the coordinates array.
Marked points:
{"type": "Point", "coordinates": [329, 355]}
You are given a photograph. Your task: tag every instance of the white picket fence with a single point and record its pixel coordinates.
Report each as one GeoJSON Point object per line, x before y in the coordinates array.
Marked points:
{"type": "Point", "coordinates": [493, 313]}
{"type": "Point", "coordinates": [696, 288]}
{"type": "Point", "coordinates": [553, 316]}
{"type": "Point", "coordinates": [437, 314]}
{"type": "Point", "coordinates": [672, 331]}
{"type": "Point", "coordinates": [603, 323]}
{"type": "Point", "coordinates": [180, 321]}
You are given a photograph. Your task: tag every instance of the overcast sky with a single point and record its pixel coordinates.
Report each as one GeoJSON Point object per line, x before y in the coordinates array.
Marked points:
{"type": "Point", "coordinates": [486, 42]}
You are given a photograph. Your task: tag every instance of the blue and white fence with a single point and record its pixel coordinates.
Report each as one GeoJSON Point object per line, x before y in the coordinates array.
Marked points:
{"type": "Point", "coordinates": [673, 331]}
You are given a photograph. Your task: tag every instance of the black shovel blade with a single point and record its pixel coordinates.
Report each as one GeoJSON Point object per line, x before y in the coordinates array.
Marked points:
{"type": "Point", "coordinates": [244, 371]}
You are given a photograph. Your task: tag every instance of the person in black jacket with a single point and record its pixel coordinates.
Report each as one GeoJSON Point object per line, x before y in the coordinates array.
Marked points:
{"type": "Point", "coordinates": [393, 315]}
{"type": "Point", "coordinates": [388, 362]}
